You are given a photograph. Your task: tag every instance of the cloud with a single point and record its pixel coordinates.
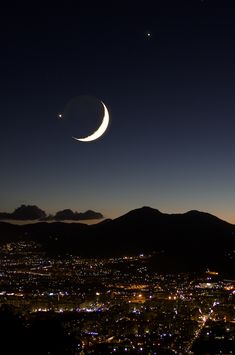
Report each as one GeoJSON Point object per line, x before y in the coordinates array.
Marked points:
{"type": "Point", "coordinates": [35, 213]}
{"type": "Point", "coordinates": [68, 214]}
{"type": "Point", "coordinates": [24, 213]}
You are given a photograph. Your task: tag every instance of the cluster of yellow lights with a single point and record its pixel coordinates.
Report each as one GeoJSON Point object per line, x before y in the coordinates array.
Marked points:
{"type": "Point", "coordinates": [229, 288]}
{"type": "Point", "coordinates": [172, 297]}
{"type": "Point", "coordinates": [212, 272]}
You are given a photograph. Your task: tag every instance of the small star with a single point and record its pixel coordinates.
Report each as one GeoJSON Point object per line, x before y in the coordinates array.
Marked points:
{"type": "Point", "coordinates": [60, 115]}
{"type": "Point", "coordinates": [148, 34]}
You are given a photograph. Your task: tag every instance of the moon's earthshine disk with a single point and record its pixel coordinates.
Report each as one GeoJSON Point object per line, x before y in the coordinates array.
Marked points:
{"type": "Point", "coordinates": [100, 131]}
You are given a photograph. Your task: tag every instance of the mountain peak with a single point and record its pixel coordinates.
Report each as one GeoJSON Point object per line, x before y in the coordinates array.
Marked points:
{"type": "Point", "coordinates": [146, 209]}
{"type": "Point", "coordinates": [144, 213]}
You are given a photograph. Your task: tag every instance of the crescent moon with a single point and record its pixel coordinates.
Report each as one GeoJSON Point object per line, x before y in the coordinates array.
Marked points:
{"type": "Point", "coordinates": [100, 131]}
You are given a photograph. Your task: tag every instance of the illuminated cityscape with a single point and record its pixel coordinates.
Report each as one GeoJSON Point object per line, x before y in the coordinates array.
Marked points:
{"type": "Point", "coordinates": [117, 305]}
{"type": "Point", "coordinates": [117, 214]}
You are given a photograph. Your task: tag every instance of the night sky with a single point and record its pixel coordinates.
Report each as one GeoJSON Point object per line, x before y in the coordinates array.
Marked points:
{"type": "Point", "coordinates": [166, 72]}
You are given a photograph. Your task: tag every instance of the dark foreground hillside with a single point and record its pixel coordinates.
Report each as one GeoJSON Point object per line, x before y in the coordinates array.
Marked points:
{"type": "Point", "coordinates": [189, 241]}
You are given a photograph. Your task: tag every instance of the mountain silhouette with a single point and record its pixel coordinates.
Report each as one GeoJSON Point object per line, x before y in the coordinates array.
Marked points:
{"type": "Point", "coordinates": [184, 241]}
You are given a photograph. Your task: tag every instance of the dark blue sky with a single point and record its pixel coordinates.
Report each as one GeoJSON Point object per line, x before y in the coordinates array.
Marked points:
{"type": "Point", "coordinates": [171, 141]}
